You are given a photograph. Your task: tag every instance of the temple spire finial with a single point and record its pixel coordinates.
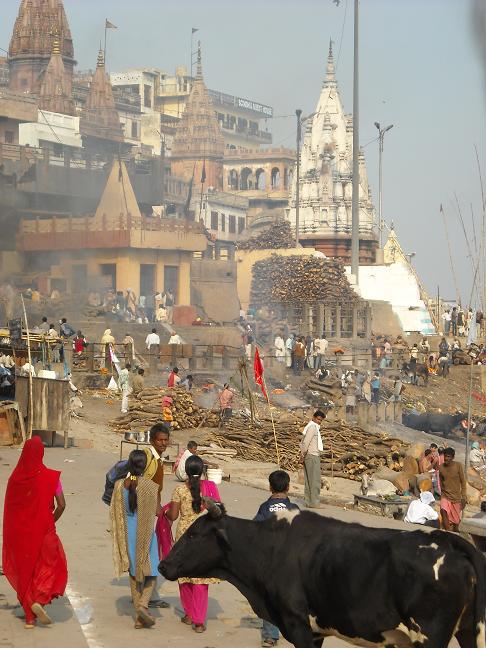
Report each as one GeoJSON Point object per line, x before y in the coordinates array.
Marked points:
{"type": "Point", "coordinates": [330, 70]}
{"type": "Point", "coordinates": [101, 58]}
{"type": "Point", "coordinates": [56, 43]}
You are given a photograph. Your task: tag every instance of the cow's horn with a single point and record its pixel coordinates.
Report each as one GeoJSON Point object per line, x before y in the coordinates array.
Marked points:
{"type": "Point", "coordinates": [214, 509]}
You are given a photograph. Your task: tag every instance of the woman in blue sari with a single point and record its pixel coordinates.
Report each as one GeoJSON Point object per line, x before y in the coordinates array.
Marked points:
{"type": "Point", "coordinates": [133, 512]}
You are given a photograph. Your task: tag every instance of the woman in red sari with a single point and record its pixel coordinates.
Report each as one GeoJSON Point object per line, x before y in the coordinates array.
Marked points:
{"type": "Point", "coordinates": [33, 557]}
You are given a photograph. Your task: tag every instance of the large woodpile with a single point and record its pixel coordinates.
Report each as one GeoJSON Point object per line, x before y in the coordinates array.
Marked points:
{"type": "Point", "coordinates": [349, 451]}
{"type": "Point", "coordinates": [145, 410]}
{"type": "Point", "coordinates": [307, 279]}
{"type": "Point", "coordinates": [278, 235]}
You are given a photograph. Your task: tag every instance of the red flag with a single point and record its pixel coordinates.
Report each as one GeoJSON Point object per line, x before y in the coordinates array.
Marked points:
{"type": "Point", "coordinates": [258, 369]}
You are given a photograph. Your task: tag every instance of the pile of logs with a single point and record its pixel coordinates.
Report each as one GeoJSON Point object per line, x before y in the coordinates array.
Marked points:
{"type": "Point", "coordinates": [349, 451]}
{"type": "Point", "coordinates": [145, 410]}
{"type": "Point", "coordinates": [295, 278]}
{"type": "Point", "coordinates": [278, 235]}
{"type": "Point", "coordinates": [320, 392]}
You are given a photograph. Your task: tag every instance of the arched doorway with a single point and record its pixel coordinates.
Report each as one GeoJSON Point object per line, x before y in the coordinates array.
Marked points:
{"type": "Point", "coordinates": [246, 181]}
{"type": "Point", "coordinates": [233, 179]}
{"type": "Point", "coordinates": [275, 178]}
{"type": "Point", "coordinates": [261, 180]}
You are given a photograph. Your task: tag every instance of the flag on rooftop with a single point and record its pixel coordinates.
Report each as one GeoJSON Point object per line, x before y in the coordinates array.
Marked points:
{"type": "Point", "coordinates": [110, 25]}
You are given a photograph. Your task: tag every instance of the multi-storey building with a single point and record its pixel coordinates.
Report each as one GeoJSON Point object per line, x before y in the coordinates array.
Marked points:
{"type": "Point", "coordinates": [162, 101]}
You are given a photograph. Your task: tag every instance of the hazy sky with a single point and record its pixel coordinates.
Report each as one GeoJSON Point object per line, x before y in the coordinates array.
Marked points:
{"type": "Point", "coordinates": [419, 70]}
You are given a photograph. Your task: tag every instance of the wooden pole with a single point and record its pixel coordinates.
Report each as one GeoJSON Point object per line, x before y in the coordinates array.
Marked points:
{"type": "Point", "coordinates": [273, 423]}
{"type": "Point", "coordinates": [31, 403]}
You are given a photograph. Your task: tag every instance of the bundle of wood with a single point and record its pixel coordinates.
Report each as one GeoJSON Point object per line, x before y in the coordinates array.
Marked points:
{"type": "Point", "coordinates": [278, 235]}
{"type": "Point", "coordinates": [349, 451]}
{"type": "Point", "coordinates": [323, 393]}
{"type": "Point", "coordinates": [145, 410]}
{"type": "Point", "coordinates": [294, 278]}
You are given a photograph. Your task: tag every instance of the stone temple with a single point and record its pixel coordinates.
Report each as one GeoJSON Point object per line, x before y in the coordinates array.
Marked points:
{"type": "Point", "coordinates": [326, 180]}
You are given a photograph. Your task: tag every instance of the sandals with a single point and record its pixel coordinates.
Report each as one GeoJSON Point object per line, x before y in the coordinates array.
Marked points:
{"type": "Point", "coordinates": [199, 628]}
{"type": "Point", "coordinates": [41, 614]}
{"type": "Point", "coordinates": [146, 618]}
{"type": "Point", "coordinates": [185, 619]}
{"type": "Point", "coordinates": [158, 603]}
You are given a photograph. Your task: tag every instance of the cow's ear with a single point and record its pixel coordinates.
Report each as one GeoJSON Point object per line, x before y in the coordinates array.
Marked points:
{"type": "Point", "coordinates": [222, 536]}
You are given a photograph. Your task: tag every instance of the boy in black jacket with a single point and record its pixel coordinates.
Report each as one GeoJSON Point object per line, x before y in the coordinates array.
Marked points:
{"type": "Point", "coordinates": [279, 482]}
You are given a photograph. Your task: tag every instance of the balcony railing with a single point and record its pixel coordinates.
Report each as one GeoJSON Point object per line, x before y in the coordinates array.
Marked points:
{"type": "Point", "coordinates": [74, 233]}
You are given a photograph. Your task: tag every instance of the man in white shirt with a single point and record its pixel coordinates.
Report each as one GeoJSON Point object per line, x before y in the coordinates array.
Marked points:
{"type": "Point", "coordinates": [279, 345]}
{"type": "Point", "coordinates": [174, 338]}
{"type": "Point", "coordinates": [320, 349]}
{"type": "Point", "coordinates": [421, 512]}
{"type": "Point", "coordinates": [446, 322]}
{"type": "Point", "coordinates": [180, 467]}
{"type": "Point", "coordinates": [152, 339]}
{"type": "Point", "coordinates": [310, 450]}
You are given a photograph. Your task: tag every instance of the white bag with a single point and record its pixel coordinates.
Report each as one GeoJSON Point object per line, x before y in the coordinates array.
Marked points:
{"type": "Point", "coordinates": [112, 386]}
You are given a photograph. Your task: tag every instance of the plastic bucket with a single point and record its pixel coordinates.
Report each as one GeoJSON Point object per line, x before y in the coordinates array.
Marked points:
{"type": "Point", "coordinates": [215, 475]}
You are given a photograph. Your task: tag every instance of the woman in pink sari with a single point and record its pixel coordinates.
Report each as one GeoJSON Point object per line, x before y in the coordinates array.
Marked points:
{"type": "Point", "coordinates": [187, 505]}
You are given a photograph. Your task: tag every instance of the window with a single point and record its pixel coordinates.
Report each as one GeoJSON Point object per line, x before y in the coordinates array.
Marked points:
{"type": "Point", "coordinates": [214, 220]}
{"type": "Point", "coordinates": [232, 224]}
{"type": "Point", "coordinates": [57, 150]}
{"type": "Point", "coordinates": [147, 96]}
{"type": "Point", "coordinates": [223, 222]}
{"type": "Point", "coordinates": [241, 224]}
{"type": "Point", "coordinates": [9, 137]}
{"type": "Point", "coordinates": [134, 130]}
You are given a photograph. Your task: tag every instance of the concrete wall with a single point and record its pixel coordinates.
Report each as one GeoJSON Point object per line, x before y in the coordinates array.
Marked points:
{"type": "Point", "coordinates": [213, 289]}
{"type": "Point", "coordinates": [127, 269]}
{"type": "Point", "coordinates": [10, 263]}
{"type": "Point", "coordinates": [244, 264]}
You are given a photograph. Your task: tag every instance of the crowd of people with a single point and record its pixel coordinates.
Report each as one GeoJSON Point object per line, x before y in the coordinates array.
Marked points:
{"type": "Point", "coordinates": [127, 307]}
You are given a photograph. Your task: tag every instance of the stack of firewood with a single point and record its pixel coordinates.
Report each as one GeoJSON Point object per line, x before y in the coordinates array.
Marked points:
{"type": "Point", "coordinates": [304, 279]}
{"type": "Point", "coordinates": [349, 451]}
{"type": "Point", "coordinates": [278, 235]}
{"type": "Point", "coordinates": [145, 409]}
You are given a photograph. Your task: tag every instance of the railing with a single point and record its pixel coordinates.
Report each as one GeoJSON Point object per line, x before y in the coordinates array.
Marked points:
{"type": "Point", "coordinates": [125, 222]}
{"type": "Point", "coordinates": [276, 152]}
{"type": "Point", "coordinates": [263, 135]}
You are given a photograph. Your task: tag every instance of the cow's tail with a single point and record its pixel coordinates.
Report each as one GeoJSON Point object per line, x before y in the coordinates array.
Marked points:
{"type": "Point", "coordinates": [477, 562]}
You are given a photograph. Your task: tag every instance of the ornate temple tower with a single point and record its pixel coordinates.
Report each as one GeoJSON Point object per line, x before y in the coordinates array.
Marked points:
{"type": "Point", "coordinates": [326, 180]}
{"type": "Point", "coordinates": [100, 122]}
{"type": "Point", "coordinates": [198, 141]}
{"type": "Point", "coordinates": [38, 24]}
{"type": "Point", "coordinates": [56, 88]}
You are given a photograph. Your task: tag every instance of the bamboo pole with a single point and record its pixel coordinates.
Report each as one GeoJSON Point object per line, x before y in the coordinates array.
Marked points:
{"type": "Point", "coordinates": [30, 407]}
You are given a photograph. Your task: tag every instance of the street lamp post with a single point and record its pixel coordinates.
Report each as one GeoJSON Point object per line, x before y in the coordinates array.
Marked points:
{"type": "Point", "coordinates": [298, 114]}
{"type": "Point", "coordinates": [381, 138]}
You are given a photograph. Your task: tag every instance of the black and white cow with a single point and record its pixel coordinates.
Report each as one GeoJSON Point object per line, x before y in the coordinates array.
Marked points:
{"type": "Point", "coordinates": [316, 577]}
